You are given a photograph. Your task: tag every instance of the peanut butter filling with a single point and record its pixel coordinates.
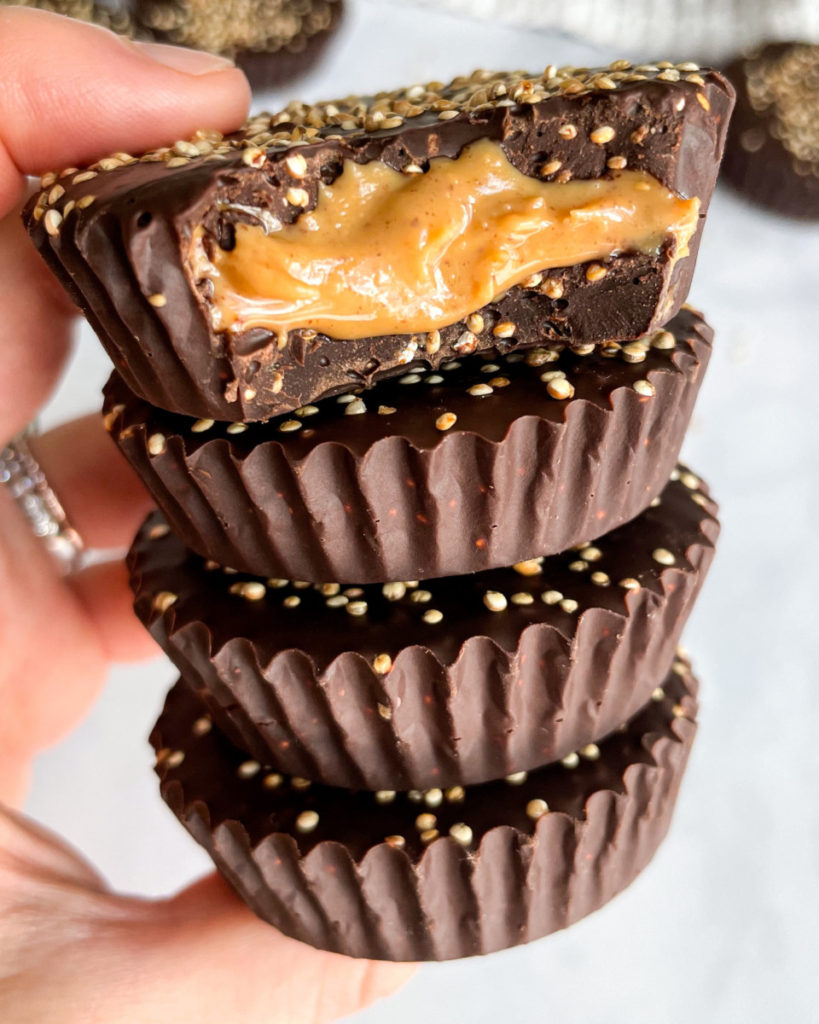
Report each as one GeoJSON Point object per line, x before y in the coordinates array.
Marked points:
{"type": "Point", "coordinates": [386, 252]}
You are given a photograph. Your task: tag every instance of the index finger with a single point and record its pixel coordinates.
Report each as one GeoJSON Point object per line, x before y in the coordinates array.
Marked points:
{"type": "Point", "coordinates": [72, 93]}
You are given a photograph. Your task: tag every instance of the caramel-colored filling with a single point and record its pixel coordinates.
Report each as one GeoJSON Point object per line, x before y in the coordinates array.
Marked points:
{"type": "Point", "coordinates": [386, 252]}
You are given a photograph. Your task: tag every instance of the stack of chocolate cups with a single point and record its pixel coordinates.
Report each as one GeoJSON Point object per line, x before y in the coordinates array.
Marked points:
{"type": "Point", "coordinates": [424, 585]}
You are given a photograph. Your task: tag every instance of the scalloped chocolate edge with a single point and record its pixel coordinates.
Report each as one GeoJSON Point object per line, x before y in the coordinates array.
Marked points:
{"type": "Point", "coordinates": [488, 713]}
{"type": "Point", "coordinates": [266, 70]}
{"type": "Point", "coordinates": [543, 488]}
{"type": "Point", "coordinates": [112, 261]}
{"type": "Point", "coordinates": [452, 902]}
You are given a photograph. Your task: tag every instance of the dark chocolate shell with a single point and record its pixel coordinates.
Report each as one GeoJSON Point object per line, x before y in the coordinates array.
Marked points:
{"type": "Point", "coordinates": [454, 681]}
{"type": "Point", "coordinates": [430, 876]}
{"type": "Point", "coordinates": [772, 152]}
{"type": "Point", "coordinates": [118, 234]}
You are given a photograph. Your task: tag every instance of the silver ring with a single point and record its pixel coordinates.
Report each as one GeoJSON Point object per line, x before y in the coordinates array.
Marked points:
{"type": "Point", "coordinates": [25, 481]}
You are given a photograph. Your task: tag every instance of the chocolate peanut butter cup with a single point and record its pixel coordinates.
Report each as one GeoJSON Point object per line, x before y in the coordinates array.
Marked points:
{"type": "Point", "coordinates": [448, 682]}
{"type": "Point", "coordinates": [237, 278]}
{"type": "Point", "coordinates": [271, 40]}
{"type": "Point", "coordinates": [115, 16]}
{"type": "Point", "coordinates": [772, 155]}
{"type": "Point", "coordinates": [435, 875]}
{"type": "Point", "coordinates": [481, 464]}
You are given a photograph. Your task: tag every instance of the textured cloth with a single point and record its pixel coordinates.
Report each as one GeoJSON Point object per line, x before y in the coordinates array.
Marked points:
{"type": "Point", "coordinates": [704, 30]}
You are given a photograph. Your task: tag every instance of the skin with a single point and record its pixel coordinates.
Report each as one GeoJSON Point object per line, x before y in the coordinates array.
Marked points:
{"type": "Point", "coordinates": [70, 949]}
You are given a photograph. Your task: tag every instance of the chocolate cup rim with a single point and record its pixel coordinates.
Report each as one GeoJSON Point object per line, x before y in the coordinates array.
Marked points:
{"type": "Point", "coordinates": [711, 522]}
{"type": "Point", "coordinates": [256, 711]}
{"type": "Point", "coordinates": [684, 730]}
{"type": "Point", "coordinates": [677, 357]}
{"type": "Point", "coordinates": [319, 544]}
{"type": "Point", "coordinates": [621, 823]}
{"type": "Point", "coordinates": [449, 666]}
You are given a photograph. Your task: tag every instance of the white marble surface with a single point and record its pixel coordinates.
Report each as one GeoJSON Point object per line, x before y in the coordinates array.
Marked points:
{"type": "Point", "coordinates": [722, 926]}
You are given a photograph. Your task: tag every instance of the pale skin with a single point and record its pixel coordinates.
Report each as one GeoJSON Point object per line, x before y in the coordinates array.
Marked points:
{"type": "Point", "coordinates": [71, 950]}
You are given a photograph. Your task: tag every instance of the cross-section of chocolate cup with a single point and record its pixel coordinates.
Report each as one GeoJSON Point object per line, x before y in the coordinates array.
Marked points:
{"type": "Point", "coordinates": [479, 465]}
{"type": "Point", "coordinates": [452, 682]}
{"type": "Point", "coordinates": [435, 875]}
{"type": "Point", "coordinates": [236, 278]}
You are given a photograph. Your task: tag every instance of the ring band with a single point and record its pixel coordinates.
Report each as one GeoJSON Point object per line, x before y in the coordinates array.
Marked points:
{"type": "Point", "coordinates": [24, 479]}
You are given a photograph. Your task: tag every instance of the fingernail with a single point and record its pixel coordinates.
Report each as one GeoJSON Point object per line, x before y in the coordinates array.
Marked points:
{"type": "Point", "coordinates": [191, 62]}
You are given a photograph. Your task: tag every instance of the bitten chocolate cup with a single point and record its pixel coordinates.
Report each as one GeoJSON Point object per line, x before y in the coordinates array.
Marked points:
{"type": "Point", "coordinates": [450, 682]}
{"type": "Point", "coordinates": [235, 278]}
{"type": "Point", "coordinates": [435, 875]}
{"type": "Point", "coordinates": [479, 465]}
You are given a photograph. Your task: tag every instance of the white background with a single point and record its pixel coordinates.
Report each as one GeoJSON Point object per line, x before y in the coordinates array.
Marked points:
{"type": "Point", "coordinates": [722, 927]}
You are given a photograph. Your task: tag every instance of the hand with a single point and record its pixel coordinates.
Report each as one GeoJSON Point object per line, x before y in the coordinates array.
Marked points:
{"type": "Point", "coordinates": [71, 950]}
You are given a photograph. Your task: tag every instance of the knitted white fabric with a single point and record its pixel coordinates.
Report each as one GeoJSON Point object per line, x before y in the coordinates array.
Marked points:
{"type": "Point", "coordinates": [704, 30]}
